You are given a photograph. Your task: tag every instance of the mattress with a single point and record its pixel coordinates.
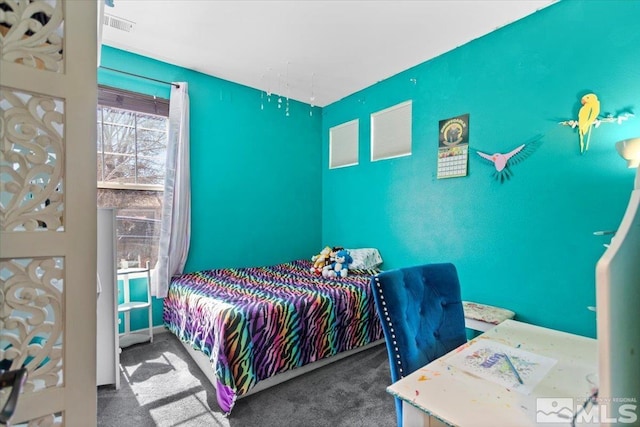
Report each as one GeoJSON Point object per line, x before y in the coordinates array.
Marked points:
{"type": "Point", "coordinates": [254, 323]}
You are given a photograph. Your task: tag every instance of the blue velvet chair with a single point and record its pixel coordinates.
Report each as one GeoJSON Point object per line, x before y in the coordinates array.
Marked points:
{"type": "Point", "coordinates": [14, 380]}
{"type": "Point", "coordinates": [422, 317]}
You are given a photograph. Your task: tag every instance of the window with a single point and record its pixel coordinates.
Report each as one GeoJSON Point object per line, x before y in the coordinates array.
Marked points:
{"type": "Point", "coordinates": [391, 132]}
{"type": "Point", "coordinates": [343, 145]}
{"type": "Point", "coordinates": [131, 149]}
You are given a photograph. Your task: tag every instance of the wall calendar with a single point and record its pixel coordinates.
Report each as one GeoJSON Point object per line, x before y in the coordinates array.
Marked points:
{"type": "Point", "coordinates": [453, 147]}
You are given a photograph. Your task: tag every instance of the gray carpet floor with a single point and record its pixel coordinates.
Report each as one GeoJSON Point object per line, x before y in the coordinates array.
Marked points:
{"type": "Point", "coordinates": [160, 385]}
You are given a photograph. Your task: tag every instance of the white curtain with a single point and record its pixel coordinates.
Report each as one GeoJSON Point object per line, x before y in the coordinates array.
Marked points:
{"type": "Point", "coordinates": [99, 30]}
{"type": "Point", "coordinates": [175, 230]}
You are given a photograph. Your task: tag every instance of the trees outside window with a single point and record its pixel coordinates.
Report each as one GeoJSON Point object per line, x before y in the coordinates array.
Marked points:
{"type": "Point", "coordinates": [131, 152]}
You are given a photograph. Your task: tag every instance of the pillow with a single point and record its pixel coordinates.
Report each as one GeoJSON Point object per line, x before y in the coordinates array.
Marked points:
{"type": "Point", "coordinates": [365, 258]}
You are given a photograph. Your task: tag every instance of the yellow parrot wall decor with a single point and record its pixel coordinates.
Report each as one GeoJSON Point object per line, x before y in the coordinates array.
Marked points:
{"type": "Point", "coordinates": [587, 116]}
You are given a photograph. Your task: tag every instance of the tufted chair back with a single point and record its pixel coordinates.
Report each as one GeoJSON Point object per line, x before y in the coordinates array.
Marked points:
{"type": "Point", "coordinates": [14, 381]}
{"type": "Point", "coordinates": [421, 313]}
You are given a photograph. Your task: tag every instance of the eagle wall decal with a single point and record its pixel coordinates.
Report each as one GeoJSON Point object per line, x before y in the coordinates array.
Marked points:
{"type": "Point", "coordinates": [503, 162]}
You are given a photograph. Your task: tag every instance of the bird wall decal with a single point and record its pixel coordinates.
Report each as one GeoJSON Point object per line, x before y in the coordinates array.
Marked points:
{"type": "Point", "coordinates": [586, 120]}
{"type": "Point", "coordinates": [503, 162]}
{"type": "Point", "coordinates": [587, 115]}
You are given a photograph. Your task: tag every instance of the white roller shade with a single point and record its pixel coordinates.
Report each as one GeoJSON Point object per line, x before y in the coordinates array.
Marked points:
{"type": "Point", "coordinates": [391, 132]}
{"type": "Point", "coordinates": [343, 145]}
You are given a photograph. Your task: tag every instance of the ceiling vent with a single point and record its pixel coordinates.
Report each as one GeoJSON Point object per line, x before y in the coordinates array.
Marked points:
{"type": "Point", "coordinates": [118, 23]}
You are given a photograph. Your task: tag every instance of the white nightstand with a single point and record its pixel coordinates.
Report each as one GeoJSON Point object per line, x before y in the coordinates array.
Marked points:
{"type": "Point", "coordinates": [127, 306]}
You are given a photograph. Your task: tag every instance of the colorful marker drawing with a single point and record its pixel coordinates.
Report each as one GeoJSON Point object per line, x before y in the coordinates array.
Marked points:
{"type": "Point", "coordinates": [486, 359]}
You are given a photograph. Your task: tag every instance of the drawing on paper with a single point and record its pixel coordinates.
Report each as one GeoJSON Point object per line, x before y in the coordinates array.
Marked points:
{"type": "Point", "coordinates": [486, 359]}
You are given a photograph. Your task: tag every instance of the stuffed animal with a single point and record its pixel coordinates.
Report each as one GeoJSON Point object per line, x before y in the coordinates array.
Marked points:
{"type": "Point", "coordinates": [321, 260]}
{"type": "Point", "coordinates": [334, 251]}
{"type": "Point", "coordinates": [340, 265]}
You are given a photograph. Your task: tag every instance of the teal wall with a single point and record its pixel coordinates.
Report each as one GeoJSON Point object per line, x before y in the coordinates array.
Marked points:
{"type": "Point", "coordinates": [526, 244]}
{"type": "Point", "coordinates": [255, 173]}
{"type": "Point", "coordinates": [262, 191]}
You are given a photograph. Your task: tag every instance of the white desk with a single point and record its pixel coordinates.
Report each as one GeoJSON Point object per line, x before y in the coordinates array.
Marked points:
{"type": "Point", "coordinates": [441, 393]}
{"type": "Point", "coordinates": [107, 354]}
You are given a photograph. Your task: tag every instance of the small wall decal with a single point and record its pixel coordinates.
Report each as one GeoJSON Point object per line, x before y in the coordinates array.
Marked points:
{"type": "Point", "coordinates": [503, 162]}
{"type": "Point", "coordinates": [588, 118]}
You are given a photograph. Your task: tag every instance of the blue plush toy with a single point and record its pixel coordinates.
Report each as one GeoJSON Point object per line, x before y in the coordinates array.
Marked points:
{"type": "Point", "coordinates": [340, 265]}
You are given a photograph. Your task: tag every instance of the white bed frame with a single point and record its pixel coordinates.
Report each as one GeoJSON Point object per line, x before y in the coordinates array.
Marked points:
{"type": "Point", "coordinates": [205, 366]}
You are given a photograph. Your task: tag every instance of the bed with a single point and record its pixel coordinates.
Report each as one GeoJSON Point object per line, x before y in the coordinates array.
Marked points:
{"type": "Point", "coordinates": [252, 324]}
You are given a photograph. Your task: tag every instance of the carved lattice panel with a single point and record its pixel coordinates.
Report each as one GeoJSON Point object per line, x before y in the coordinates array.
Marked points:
{"type": "Point", "coordinates": [31, 319]}
{"type": "Point", "coordinates": [32, 33]}
{"type": "Point", "coordinates": [31, 162]}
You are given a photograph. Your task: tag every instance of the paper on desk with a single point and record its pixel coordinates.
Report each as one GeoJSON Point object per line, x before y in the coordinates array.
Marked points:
{"type": "Point", "coordinates": [484, 358]}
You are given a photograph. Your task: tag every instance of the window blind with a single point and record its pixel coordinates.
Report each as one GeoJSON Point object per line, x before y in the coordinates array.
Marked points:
{"type": "Point", "coordinates": [118, 98]}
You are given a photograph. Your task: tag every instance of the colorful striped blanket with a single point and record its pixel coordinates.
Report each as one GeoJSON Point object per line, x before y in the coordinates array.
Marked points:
{"type": "Point", "coordinates": [256, 322]}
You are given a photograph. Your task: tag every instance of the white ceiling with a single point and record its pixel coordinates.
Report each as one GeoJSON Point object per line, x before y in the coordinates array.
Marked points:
{"type": "Point", "coordinates": [313, 51]}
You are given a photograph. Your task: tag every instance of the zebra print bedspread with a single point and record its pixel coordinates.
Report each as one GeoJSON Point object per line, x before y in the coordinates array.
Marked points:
{"type": "Point", "coordinates": [256, 322]}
